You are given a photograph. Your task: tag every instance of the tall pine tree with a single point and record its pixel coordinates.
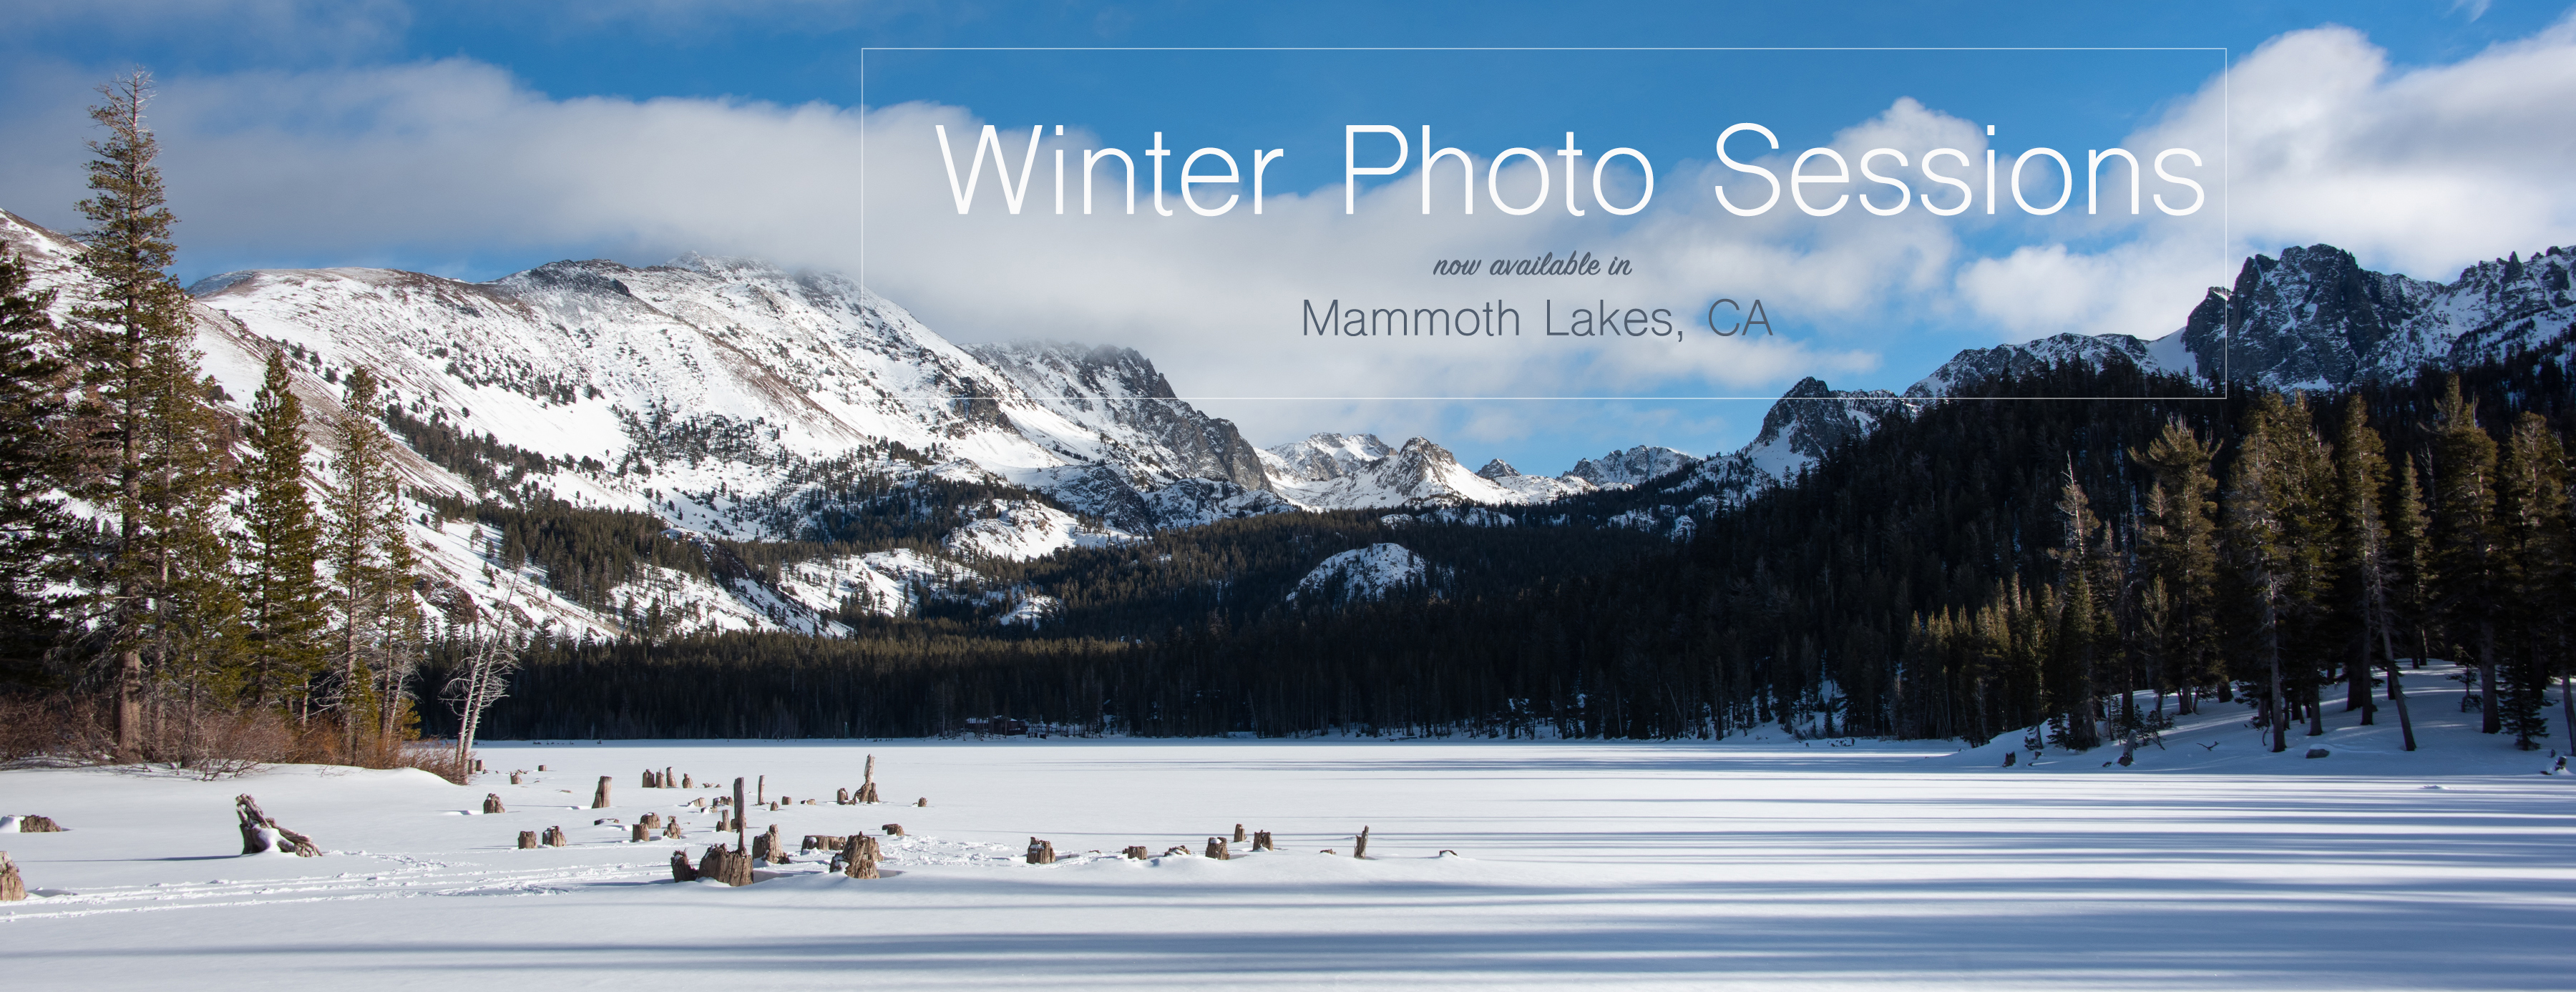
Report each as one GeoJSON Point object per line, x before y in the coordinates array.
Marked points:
{"type": "Point", "coordinates": [154, 439]}
{"type": "Point", "coordinates": [279, 547]}
{"type": "Point", "coordinates": [35, 468]}
{"type": "Point", "coordinates": [2532, 527]}
{"type": "Point", "coordinates": [2464, 540]}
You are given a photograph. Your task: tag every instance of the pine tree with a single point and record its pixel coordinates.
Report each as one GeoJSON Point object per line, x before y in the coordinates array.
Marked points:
{"type": "Point", "coordinates": [2411, 553]}
{"type": "Point", "coordinates": [2082, 635]}
{"type": "Point", "coordinates": [2464, 539]}
{"type": "Point", "coordinates": [2362, 474]}
{"type": "Point", "coordinates": [2180, 556]}
{"type": "Point", "coordinates": [156, 440]}
{"type": "Point", "coordinates": [279, 547]}
{"type": "Point", "coordinates": [35, 468]}
{"type": "Point", "coordinates": [375, 649]}
{"type": "Point", "coordinates": [2533, 532]}
{"type": "Point", "coordinates": [2274, 529]}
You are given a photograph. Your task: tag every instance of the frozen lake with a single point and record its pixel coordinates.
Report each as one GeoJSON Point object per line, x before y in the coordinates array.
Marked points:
{"type": "Point", "coordinates": [1682, 865]}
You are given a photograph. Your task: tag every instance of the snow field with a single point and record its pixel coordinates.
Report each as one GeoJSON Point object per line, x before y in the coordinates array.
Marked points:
{"type": "Point", "coordinates": [1749, 863]}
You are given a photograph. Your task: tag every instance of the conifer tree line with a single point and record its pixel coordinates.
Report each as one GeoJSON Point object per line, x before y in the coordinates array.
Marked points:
{"type": "Point", "coordinates": [2002, 560]}
{"type": "Point", "coordinates": [223, 583]}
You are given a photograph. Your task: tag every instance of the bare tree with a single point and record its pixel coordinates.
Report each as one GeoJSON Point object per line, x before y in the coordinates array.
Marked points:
{"type": "Point", "coordinates": [494, 655]}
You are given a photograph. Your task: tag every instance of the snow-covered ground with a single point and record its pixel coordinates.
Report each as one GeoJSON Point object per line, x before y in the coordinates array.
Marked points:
{"type": "Point", "coordinates": [1755, 863]}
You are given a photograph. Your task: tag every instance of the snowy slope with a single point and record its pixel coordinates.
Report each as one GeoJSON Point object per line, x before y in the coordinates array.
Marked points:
{"type": "Point", "coordinates": [1361, 575]}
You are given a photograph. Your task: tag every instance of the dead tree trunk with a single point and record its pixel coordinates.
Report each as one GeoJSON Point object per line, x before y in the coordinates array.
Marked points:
{"type": "Point", "coordinates": [599, 800]}
{"type": "Point", "coordinates": [12, 887]}
{"type": "Point", "coordinates": [760, 792]}
{"type": "Point", "coordinates": [671, 830]}
{"type": "Point", "coordinates": [518, 778]}
{"type": "Point", "coordinates": [651, 821]}
{"type": "Point", "coordinates": [923, 802]}
{"type": "Point", "coordinates": [681, 869]}
{"type": "Point", "coordinates": [555, 837]}
{"type": "Point", "coordinates": [1216, 849]}
{"type": "Point", "coordinates": [33, 824]}
{"type": "Point", "coordinates": [868, 785]}
{"type": "Point", "coordinates": [894, 830]}
{"type": "Point", "coordinates": [740, 843]}
{"type": "Point", "coordinates": [1238, 833]}
{"type": "Point", "coordinates": [768, 847]}
{"type": "Point", "coordinates": [261, 834]}
{"type": "Point", "coordinates": [527, 840]}
{"type": "Point", "coordinates": [841, 798]}
{"type": "Point", "coordinates": [642, 833]}
{"type": "Point", "coordinates": [685, 781]}
{"type": "Point", "coordinates": [1361, 850]}
{"type": "Point", "coordinates": [1041, 852]}
{"type": "Point", "coordinates": [648, 779]}
{"type": "Point", "coordinates": [666, 777]}
{"type": "Point", "coordinates": [1261, 841]}
{"type": "Point", "coordinates": [492, 803]}
{"type": "Point", "coordinates": [1135, 853]}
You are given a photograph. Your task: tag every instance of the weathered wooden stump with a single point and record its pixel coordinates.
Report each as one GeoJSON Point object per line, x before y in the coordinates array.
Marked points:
{"type": "Point", "coordinates": [1182, 850]}
{"type": "Point", "coordinates": [648, 779]}
{"type": "Point", "coordinates": [651, 821]}
{"type": "Point", "coordinates": [492, 803]}
{"type": "Point", "coordinates": [1041, 852]}
{"type": "Point", "coordinates": [894, 830]}
{"type": "Point", "coordinates": [33, 824]}
{"type": "Point", "coordinates": [841, 798]}
{"type": "Point", "coordinates": [642, 833]}
{"type": "Point", "coordinates": [681, 869]}
{"type": "Point", "coordinates": [555, 837]}
{"type": "Point", "coordinates": [478, 766]}
{"type": "Point", "coordinates": [599, 799]}
{"type": "Point", "coordinates": [1361, 849]}
{"type": "Point", "coordinates": [671, 830]}
{"type": "Point", "coordinates": [259, 832]}
{"type": "Point", "coordinates": [923, 802]}
{"type": "Point", "coordinates": [1261, 841]}
{"type": "Point", "coordinates": [1216, 849]}
{"type": "Point", "coordinates": [527, 840]}
{"type": "Point", "coordinates": [767, 846]}
{"type": "Point", "coordinates": [1135, 852]}
{"type": "Point", "coordinates": [859, 856]}
{"type": "Point", "coordinates": [518, 778]}
{"type": "Point", "coordinates": [1238, 833]}
{"type": "Point", "coordinates": [12, 887]}
{"type": "Point", "coordinates": [666, 777]}
{"type": "Point", "coordinates": [868, 784]}
{"type": "Point", "coordinates": [541, 768]}
{"type": "Point", "coordinates": [733, 868]}
{"type": "Point", "coordinates": [685, 783]}
{"type": "Point", "coordinates": [760, 791]}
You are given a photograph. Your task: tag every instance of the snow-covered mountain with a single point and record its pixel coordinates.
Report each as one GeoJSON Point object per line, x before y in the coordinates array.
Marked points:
{"type": "Point", "coordinates": [1631, 467]}
{"type": "Point", "coordinates": [1359, 471]}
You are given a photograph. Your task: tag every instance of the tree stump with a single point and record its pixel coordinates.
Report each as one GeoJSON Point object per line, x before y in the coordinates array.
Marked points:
{"type": "Point", "coordinates": [12, 887]}
{"type": "Point", "coordinates": [681, 869]}
{"type": "Point", "coordinates": [894, 830]}
{"type": "Point", "coordinates": [1361, 850]}
{"type": "Point", "coordinates": [760, 792]}
{"type": "Point", "coordinates": [642, 833]}
{"type": "Point", "coordinates": [599, 800]}
{"type": "Point", "coordinates": [1261, 841]}
{"type": "Point", "coordinates": [732, 868]}
{"type": "Point", "coordinates": [651, 821]}
{"type": "Point", "coordinates": [33, 824]}
{"type": "Point", "coordinates": [492, 803]}
{"type": "Point", "coordinates": [555, 837]}
{"type": "Point", "coordinates": [1238, 833]}
{"type": "Point", "coordinates": [868, 784]}
{"type": "Point", "coordinates": [685, 783]}
{"type": "Point", "coordinates": [923, 802]}
{"type": "Point", "coordinates": [1041, 852]}
{"type": "Point", "coordinates": [671, 830]}
{"type": "Point", "coordinates": [478, 766]}
{"type": "Point", "coordinates": [740, 844]}
{"type": "Point", "coordinates": [259, 832]}
{"type": "Point", "coordinates": [527, 840]}
{"type": "Point", "coordinates": [541, 768]}
{"type": "Point", "coordinates": [666, 777]}
{"type": "Point", "coordinates": [841, 798]}
{"type": "Point", "coordinates": [1135, 853]}
{"type": "Point", "coordinates": [1216, 849]}
{"type": "Point", "coordinates": [1182, 850]}
{"type": "Point", "coordinates": [648, 779]}
{"type": "Point", "coordinates": [859, 856]}
{"type": "Point", "coordinates": [767, 846]}
{"type": "Point", "coordinates": [518, 778]}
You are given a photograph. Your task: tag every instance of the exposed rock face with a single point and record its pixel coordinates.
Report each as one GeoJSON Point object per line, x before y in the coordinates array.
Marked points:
{"type": "Point", "coordinates": [1631, 467]}
{"type": "Point", "coordinates": [1362, 575]}
{"type": "Point", "coordinates": [2314, 318]}
{"type": "Point", "coordinates": [1118, 395]}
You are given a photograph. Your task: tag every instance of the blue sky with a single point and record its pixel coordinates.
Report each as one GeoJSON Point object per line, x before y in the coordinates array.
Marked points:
{"type": "Point", "coordinates": [404, 136]}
